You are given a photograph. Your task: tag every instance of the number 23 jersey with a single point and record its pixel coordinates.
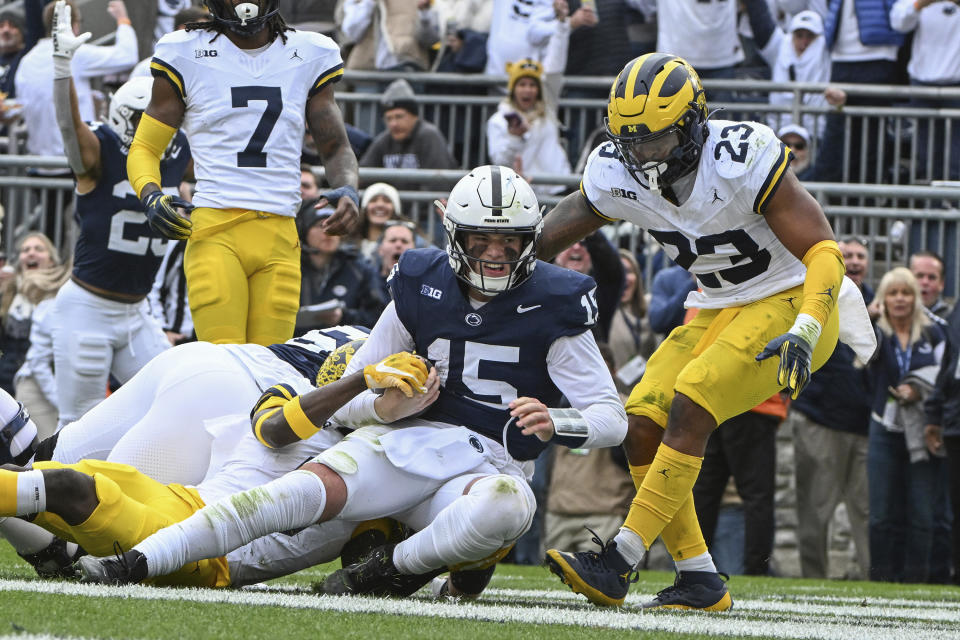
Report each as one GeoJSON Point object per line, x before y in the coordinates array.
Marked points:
{"type": "Point", "coordinates": [719, 233]}
{"type": "Point", "coordinates": [246, 112]}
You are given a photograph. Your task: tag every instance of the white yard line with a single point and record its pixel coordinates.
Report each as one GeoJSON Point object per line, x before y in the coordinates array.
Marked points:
{"type": "Point", "coordinates": [792, 625]}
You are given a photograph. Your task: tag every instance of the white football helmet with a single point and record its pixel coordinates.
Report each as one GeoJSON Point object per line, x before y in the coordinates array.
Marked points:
{"type": "Point", "coordinates": [492, 199]}
{"type": "Point", "coordinates": [126, 107]}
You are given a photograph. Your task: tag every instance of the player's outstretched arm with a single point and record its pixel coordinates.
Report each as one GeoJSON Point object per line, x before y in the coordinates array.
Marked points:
{"type": "Point", "coordinates": [566, 223]}
{"type": "Point", "coordinates": [339, 161]}
{"type": "Point", "coordinates": [80, 145]}
{"type": "Point", "coordinates": [799, 223]}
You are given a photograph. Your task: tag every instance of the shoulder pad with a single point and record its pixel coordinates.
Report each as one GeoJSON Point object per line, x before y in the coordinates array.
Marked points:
{"type": "Point", "coordinates": [312, 39]}
{"type": "Point", "coordinates": [737, 147]}
{"type": "Point", "coordinates": [416, 262]}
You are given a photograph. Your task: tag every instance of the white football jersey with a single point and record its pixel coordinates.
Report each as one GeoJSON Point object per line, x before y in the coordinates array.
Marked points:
{"type": "Point", "coordinates": [719, 233]}
{"type": "Point", "coordinates": [246, 113]}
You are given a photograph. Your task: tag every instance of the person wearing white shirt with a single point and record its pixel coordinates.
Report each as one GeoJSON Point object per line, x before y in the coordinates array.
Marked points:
{"type": "Point", "coordinates": [934, 61]}
{"type": "Point", "coordinates": [34, 79]}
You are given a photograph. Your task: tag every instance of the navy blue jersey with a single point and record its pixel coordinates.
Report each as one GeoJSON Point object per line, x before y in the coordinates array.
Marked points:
{"type": "Point", "coordinates": [306, 353]}
{"type": "Point", "coordinates": [496, 353]}
{"type": "Point", "coordinates": [116, 248]}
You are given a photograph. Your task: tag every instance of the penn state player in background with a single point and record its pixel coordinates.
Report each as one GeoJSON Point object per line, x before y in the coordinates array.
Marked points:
{"type": "Point", "coordinates": [158, 421]}
{"type": "Point", "coordinates": [718, 196]}
{"type": "Point", "coordinates": [508, 335]}
{"type": "Point", "coordinates": [242, 87]}
{"type": "Point", "coordinates": [100, 320]}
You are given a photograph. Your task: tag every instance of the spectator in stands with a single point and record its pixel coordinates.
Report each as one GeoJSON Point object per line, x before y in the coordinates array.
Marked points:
{"type": "Point", "coordinates": [11, 51]}
{"type": "Point", "coordinates": [595, 256]}
{"type": "Point", "coordinates": [927, 268]}
{"type": "Point", "coordinates": [167, 13]}
{"type": "Point", "coordinates": [34, 79]}
{"type": "Point", "coordinates": [631, 338]}
{"type": "Point", "coordinates": [331, 272]}
{"type": "Point", "coordinates": [524, 133]}
{"type": "Point", "coordinates": [397, 237]}
{"type": "Point", "coordinates": [380, 204]}
{"type": "Point", "coordinates": [387, 35]}
{"type": "Point", "coordinates": [902, 473]}
{"type": "Point", "coordinates": [863, 49]}
{"type": "Point", "coordinates": [797, 138]}
{"type": "Point", "coordinates": [942, 431]}
{"type": "Point", "coordinates": [35, 382]}
{"type": "Point", "coordinates": [168, 297]}
{"type": "Point", "coordinates": [520, 29]}
{"type": "Point", "coordinates": [703, 33]}
{"type": "Point", "coordinates": [309, 189]}
{"type": "Point", "coordinates": [796, 55]}
{"type": "Point", "coordinates": [409, 142]}
{"type": "Point", "coordinates": [37, 276]}
{"type": "Point", "coordinates": [179, 21]}
{"type": "Point", "coordinates": [463, 30]}
{"type": "Point", "coordinates": [934, 61]}
{"type": "Point", "coordinates": [667, 295]}
{"type": "Point", "coordinates": [830, 422]}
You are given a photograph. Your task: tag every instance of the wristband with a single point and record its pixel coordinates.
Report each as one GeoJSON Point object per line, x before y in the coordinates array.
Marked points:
{"type": "Point", "coordinates": [807, 327]}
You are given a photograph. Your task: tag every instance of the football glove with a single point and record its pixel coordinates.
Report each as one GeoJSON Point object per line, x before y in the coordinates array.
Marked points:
{"type": "Point", "coordinates": [795, 354]}
{"type": "Point", "coordinates": [403, 371]}
{"type": "Point", "coordinates": [164, 218]}
{"type": "Point", "coordinates": [65, 44]}
{"type": "Point", "coordinates": [346, 191]}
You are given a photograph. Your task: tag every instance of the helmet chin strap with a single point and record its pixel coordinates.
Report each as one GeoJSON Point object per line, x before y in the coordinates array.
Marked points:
{"type": "Point", "coordinates": [247, 11]}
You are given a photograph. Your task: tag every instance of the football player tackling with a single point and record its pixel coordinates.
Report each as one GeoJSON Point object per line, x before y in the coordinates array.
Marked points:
{"type": "Point", "coordinates": [718, 196]}
{"type": "Point", "coordinates": [508, 335]}
{"type": "Point", "coordinates": [242, 87]}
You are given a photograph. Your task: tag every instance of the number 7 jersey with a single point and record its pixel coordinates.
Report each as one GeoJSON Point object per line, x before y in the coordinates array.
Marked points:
{"type": "Point", "coordinates": [246, 112]}
{"type": "Point", "coordinates": [719, 233]}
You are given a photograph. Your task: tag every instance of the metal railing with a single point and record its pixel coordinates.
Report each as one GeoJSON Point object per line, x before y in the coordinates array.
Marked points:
{"type": "Point", "coordinates": [898, 219]}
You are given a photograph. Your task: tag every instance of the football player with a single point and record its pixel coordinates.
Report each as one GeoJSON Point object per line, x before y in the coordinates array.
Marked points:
{"type": "Point", "coordinates": [508, 335]}
{"type": "Point", "coordinates": [99, 504]}
{"type": "Point", "coordinates": [242, 87]}
{"type": "Point", "coordinates": [718, 196]}
{"type": "Point", "coordinates": [100, 320]}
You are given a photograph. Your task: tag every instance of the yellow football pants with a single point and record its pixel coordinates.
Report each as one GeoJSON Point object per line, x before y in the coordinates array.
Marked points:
{"type": "Point", "coordinates": [131, 507]}
{"type": "Point", "coordinates": [243, 276]}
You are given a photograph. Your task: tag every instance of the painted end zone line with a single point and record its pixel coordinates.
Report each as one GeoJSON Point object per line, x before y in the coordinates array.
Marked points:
{"type": "Point", "coordinates": [690, 622]}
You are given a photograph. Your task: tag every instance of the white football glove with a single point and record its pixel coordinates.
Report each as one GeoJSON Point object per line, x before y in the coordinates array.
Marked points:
{"type": "Point", "coordinates": [65, 43]}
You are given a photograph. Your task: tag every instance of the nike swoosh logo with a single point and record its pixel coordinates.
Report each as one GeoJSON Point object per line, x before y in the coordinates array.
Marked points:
{"type": "Point", "coordinates": [523, 309]}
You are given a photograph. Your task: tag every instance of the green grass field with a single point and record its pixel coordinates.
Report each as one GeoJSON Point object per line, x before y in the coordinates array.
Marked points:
{"type": "Point", "coordinates": [522, 602]}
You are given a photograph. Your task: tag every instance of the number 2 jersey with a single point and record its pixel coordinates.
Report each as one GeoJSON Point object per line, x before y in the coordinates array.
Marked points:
{"type": "Point", "coordinates": [246, 112]}
{"type": "Point", "coordinates": [719, 233]}
{"type": "Point", "coordinates": [116, 248]}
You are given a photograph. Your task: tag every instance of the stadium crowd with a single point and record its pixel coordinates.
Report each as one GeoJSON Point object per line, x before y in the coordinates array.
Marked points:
{"type": "Point", "coordinates": [881, 437]}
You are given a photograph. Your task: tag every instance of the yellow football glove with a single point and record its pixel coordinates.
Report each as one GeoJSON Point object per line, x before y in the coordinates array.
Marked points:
{"type": "Point", "coordinates": [403, 371]}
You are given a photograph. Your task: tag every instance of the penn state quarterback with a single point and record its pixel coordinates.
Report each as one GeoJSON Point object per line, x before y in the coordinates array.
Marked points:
{"type": "Point", "coordinates": [718, 196]}
{"type": "Point", "coordinates": [508, 335]}
{"type": "Point", "coordinates": [101, 321]}
{"type": "Point", "coordinates": [243, 87]}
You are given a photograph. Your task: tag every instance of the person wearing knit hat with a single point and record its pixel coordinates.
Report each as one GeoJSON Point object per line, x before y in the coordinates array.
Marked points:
{"type": "Point", "coordinates": [522, 134]}
{"type": "Point", "coordinates": [409, 141]}
{"type": "Point", "coordinates": [380, 203]}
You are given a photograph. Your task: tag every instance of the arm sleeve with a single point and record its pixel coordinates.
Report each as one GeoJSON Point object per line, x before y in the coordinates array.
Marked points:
{"type": "Point", "coordinates": [903, 16]}
{"type": "Point", "coordinates": [92, 60]}
{"type": "Point", "coordinates": [387, 336]}
{"type": "Point", "coordinates": [575, 365]}
{"type": "Point", "coordinates": [357, 16]}
{"type": "Point", "coordinates": [821, 287]}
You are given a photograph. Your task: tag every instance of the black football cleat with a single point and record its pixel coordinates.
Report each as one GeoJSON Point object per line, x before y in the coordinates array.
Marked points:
{"type": "Point", "coordinates": [703, 590]}
{"type": "Point", "coordinates": [375, 575]}
{"type": "Point", "coordinates": [124, 568]}
{"type": "Point", "coordinates": [54, 561]}
{"type": "Point", "coordinates": [604, 578]}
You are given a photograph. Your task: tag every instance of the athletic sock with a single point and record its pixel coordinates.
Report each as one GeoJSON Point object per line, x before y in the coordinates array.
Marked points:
{"type": "Point", "coordinates": [22, 493]}
{"type": "Point", "coordinates": [25, 537]}
{"type": "Point", "coordinates": [662, 493]}
{"type": "Point", "coordinates": [702, 562]}
{"type": "Point", "coordinates": [682, 536]}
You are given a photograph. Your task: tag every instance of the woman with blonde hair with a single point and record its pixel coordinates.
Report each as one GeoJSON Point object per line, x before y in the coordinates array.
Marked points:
{"type": "Point", "coordinates": [37, 276]}
{"type": "Point", "coordinates": [902, 473]}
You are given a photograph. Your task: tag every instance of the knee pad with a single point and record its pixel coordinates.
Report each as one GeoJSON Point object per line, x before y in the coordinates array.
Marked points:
{"type": "Point", "coordinates": [505, 507]}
